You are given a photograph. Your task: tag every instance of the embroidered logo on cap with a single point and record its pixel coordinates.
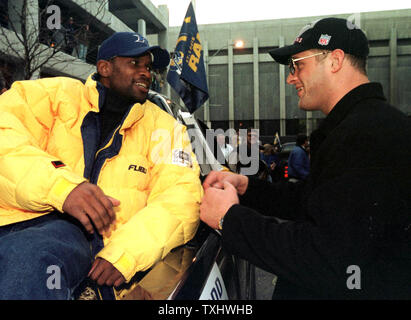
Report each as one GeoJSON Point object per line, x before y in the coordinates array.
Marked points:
{"type": "Point", "coordinates": [141, 39]}
{"type": "Point", "coordinates": [324, 40]}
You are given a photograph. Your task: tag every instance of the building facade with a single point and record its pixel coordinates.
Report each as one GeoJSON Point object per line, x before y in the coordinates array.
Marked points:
{"type": "Point", "coordinates": [247, 89]}
{"type": "Point", "coordinates": [27, 40]}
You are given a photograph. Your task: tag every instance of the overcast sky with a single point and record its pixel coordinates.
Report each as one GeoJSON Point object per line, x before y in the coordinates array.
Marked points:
{"type": "Point", "coordinates": [219, 11]}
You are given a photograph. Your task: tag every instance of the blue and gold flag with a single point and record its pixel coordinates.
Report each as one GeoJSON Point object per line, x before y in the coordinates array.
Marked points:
{"type": "Point", "coordinates": [187, 72]}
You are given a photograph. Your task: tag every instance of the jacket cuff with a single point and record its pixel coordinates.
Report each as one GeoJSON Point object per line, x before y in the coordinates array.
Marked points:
{"type": "Point", "coordinates": [229, 220]}
{"type": "Point", "coordinates": [236, 221]}
{"type": "Point", "coordinates": [60, 190]}
{"type": "Point", "coordinates": [255, 188]}
{"type": "Point", "coordinates": [121, 260]}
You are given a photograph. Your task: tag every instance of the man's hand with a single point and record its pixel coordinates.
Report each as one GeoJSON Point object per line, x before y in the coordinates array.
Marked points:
{"type": "Point", "coordinates": [88, 203]}
{"type": "Point", "coordinates": [104, 273]}
{"type": "Point", "coordinates": [216, 179]}
{"type": "Point", "coordinates": [216, 202]}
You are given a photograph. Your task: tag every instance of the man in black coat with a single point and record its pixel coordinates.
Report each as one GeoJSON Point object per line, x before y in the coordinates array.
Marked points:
{"type": "Point", "coordinates": [348, 229]}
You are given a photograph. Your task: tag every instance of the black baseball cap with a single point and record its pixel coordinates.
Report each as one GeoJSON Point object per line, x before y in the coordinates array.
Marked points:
{"type": "Point", "coordinates": [327, 34]}
{"type": "Point", "coordinates": [132, 44]}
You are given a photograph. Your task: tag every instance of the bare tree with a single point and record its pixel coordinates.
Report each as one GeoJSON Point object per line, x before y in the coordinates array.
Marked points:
{"type": "Point", "coordinates": [28, 36]}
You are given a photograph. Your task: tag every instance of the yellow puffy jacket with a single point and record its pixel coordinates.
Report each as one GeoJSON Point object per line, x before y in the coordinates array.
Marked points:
{"type": "Point", "coordinates": [48, 146]}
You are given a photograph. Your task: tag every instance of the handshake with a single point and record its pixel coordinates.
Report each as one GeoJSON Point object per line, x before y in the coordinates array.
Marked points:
{"type": "Point", "coordinates": [221, 191]}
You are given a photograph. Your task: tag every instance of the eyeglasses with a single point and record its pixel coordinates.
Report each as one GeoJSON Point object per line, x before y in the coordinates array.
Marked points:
{"type": "Point", "coordinates": [292, 62]}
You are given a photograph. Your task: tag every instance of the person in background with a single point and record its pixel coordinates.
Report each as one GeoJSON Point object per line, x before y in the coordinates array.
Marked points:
{"type": "Point", "coordinates": [248, 155]}
{"type": "Point", "coordinates": [70, 36]}
{"type": "Point", "coordinates": [234, 141]}
{"type": "Point", "coordinates": [83, 36]}
{"type": "Point", "coordinates": [271, 158]}
{"type": "Point", "coordinates": [298, 160]}
{"type": "Point", "coordinates": [224, 146]}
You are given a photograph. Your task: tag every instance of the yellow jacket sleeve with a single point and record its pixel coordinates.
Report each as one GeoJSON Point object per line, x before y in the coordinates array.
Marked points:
{"type": "Point", "coordinates": [171, 216]}
{"type": "Point", "coordinates": [28, 178]}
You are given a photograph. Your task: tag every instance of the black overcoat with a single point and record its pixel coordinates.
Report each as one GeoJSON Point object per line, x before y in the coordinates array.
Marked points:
{"type": "Point", "coordinates": [348, 228]}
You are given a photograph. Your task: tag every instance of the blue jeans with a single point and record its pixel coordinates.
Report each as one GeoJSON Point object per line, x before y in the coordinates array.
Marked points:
{"type": "Point", "coordinates": [82, 51]}
{"type": "Point", "coordinates": [43, 258]}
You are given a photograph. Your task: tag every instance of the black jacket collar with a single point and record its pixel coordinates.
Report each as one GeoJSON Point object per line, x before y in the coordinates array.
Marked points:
{"type": "Point", "coordinates": [348, 102]}
{"type": "Point", "coordinates": [340, 111]}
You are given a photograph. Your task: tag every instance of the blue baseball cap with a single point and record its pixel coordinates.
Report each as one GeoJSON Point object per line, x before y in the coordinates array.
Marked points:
{"type": "Point", "coordinates": [132, 44]}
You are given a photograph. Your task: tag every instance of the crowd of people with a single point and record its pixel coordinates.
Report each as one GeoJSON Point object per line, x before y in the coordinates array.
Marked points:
{"type": "Point", "coordinates": [268, 164]}
{"type": "Point", "coordinates": [73, 38]}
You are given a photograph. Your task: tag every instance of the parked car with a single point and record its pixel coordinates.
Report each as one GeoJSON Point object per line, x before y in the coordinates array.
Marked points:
{"type": "Point", "coordinates": [284, 153]}
{"type": "Point", "coordinates": [286, 149]}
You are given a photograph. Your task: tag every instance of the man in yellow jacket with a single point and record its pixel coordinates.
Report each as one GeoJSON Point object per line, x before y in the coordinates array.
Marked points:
{"type": "Point", "coordinates": [95, 180]}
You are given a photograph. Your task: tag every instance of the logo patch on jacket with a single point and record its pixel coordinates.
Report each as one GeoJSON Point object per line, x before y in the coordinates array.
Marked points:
{"type": "Point", "coordinates": [137, 168]}
{"type": "Point", "coordinates": [181, 158]}
{"type": "Point", "coordinates": [58, 164]}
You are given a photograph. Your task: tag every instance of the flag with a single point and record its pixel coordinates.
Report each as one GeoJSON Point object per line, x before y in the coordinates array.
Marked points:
{"type": "Point", "coordinates": [187, 72]}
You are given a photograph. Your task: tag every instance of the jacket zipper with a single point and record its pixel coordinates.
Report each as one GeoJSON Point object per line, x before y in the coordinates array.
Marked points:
{"type": "Point", "coordinates": [94, 178]}
{"type": "Point", "coordinates": [108, 144]}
